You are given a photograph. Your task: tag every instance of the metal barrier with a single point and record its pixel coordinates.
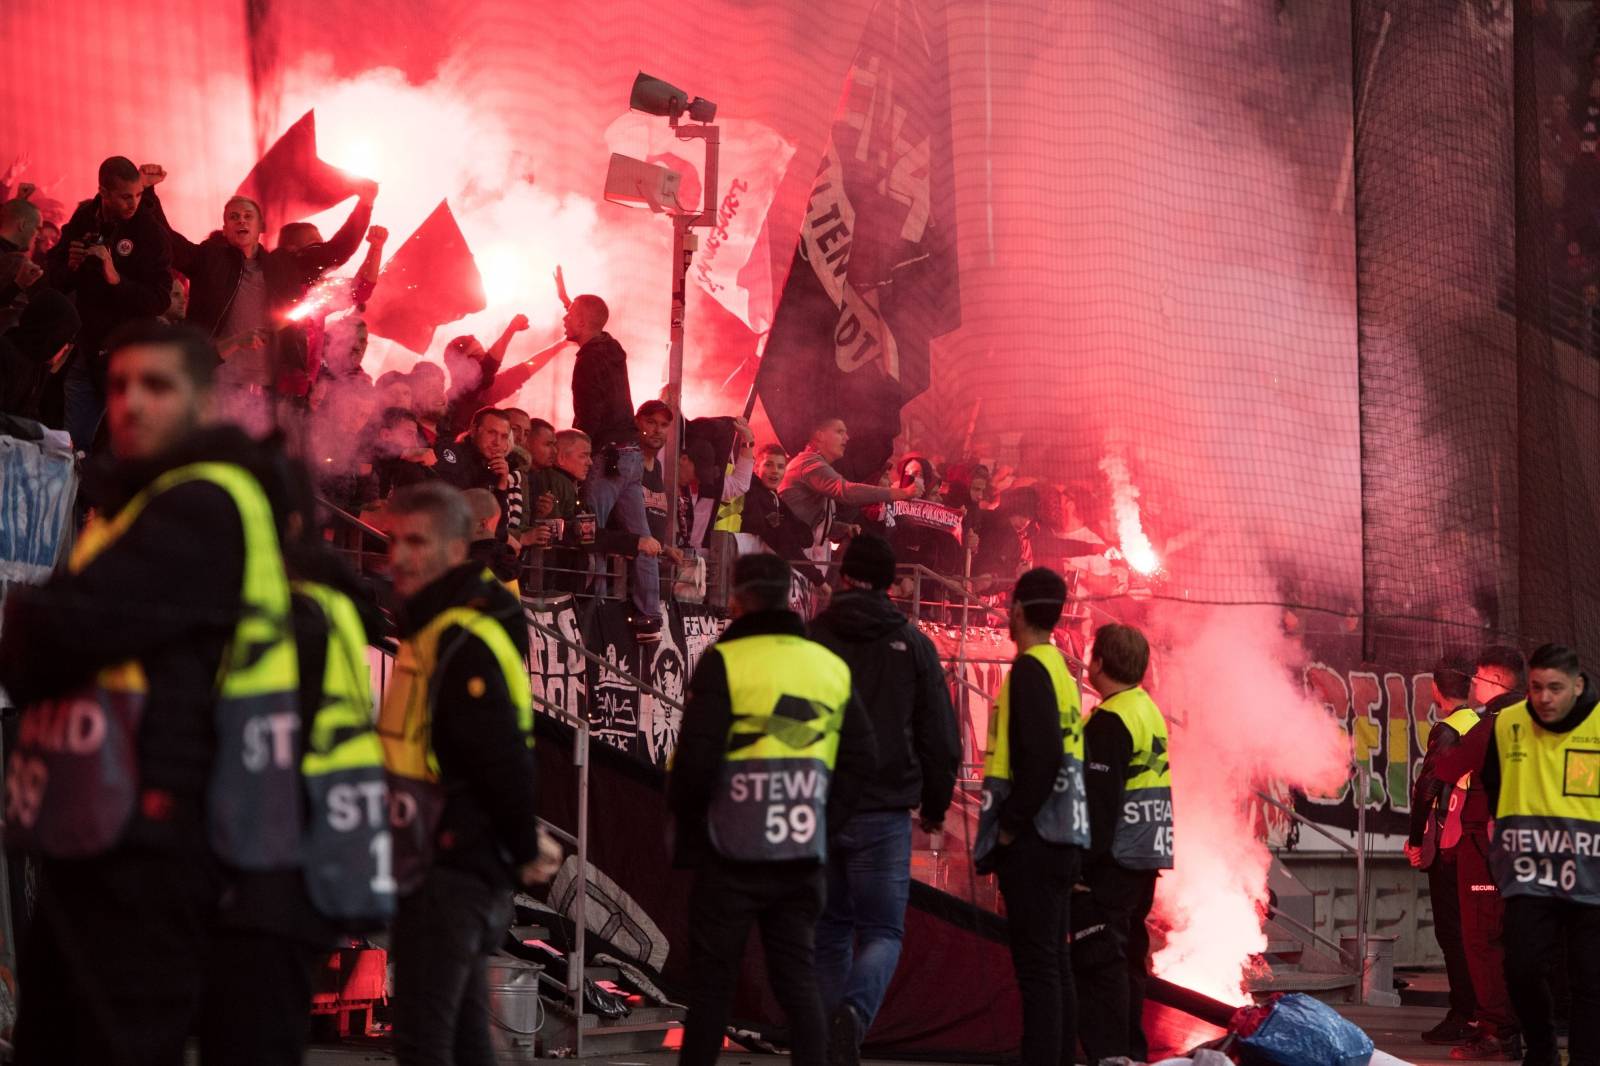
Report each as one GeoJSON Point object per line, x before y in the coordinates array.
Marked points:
{"type": "Point", "coordinates": [1359, 849]}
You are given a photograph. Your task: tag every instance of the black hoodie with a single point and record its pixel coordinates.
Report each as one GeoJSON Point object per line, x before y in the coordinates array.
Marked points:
{"type": "Point", "coordinates": [490, 823]}
{"type": "Point", "coordinates": [898, 677]}
{"type": "Point", "coordinates": [167, 593]}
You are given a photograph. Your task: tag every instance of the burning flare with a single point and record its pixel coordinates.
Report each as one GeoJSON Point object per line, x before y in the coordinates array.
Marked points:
{"type": "Point", "coordinates": [1136, 547]}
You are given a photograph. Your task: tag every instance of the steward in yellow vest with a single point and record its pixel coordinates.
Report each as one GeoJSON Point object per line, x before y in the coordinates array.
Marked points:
{"type": "Point", "coordinates": [773, 752]}
{"type": "Point", "coordinates": [1131, 821]}
{"type": "Point", "coordinates": [457, 731]}
{"type": "Point", "coordinates": [160, 678]}
{"type": "Point", "coordinates": [1542, 770]}
{"type": "Point", "coordinates": [1035, 823]}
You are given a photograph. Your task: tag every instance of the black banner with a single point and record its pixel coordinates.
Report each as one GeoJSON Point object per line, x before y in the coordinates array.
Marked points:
{"type": "Point", "coordinates": [874, 278]}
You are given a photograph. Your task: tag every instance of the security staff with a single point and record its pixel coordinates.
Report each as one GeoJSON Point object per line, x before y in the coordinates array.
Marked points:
{"type": "Point", "coordinates": [158, 678]}
{"type": "Point", "coordinates": [1542, 773]}
{"type": "Point", "coordinates": [1450, 838]}
{"type": "Point", "coordinates": [1035, 822]}
{"type": "Point", "coordinates": [773, 752]}
{"type": "Point", "coordinates": [457, 730]}
{"type": "Point", "coordinates": [275, 925]}
{"type": "Point", "coordinates": [1129, 785]}
{"type": "Point", "coordinates": [1434, 842]}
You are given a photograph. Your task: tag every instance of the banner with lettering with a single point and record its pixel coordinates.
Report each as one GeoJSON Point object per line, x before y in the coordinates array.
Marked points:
{"type": "Point", "coordinates": [620, 713]}
{"type": "Point", "coordinates": [874, 278]}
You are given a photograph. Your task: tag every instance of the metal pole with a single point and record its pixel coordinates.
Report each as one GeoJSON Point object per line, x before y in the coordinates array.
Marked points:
{"type": "Point", "coordinates": [1361, 882]}
{"type": "Point", "coordinates": [575, 967]}
{"type": "Point", "coordinates": [684, 245]}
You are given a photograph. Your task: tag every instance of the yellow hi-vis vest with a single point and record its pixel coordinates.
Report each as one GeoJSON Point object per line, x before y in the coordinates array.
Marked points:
{"type": "Point", "coordinates": [788, 696]}
{"type": "Point", "coordinates": [1463, 720]}
{"type": "Point", "coordinates": [1547, 823]}
{"type": "Point", "coordinates": [730, 513]}
{"type": "Point", "coordinates": [73, 779]}
{"type": "Point", "coordinates": [1064, 818]}
{"type": "Point", "coordinates": [405, 725]}
{"type": "Point", "coordinates": [1144, 831]}
{"type": "Point", "coordinates": [349, 864]}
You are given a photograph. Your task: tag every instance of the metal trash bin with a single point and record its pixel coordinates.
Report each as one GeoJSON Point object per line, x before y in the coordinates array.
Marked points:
{"type": "Point", "coordinates": [515, 1012]}
{"type": "Point", "coordinates": [1377, 969]}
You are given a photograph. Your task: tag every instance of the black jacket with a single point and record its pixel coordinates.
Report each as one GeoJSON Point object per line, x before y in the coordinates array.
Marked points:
{"type": "Point", "coordinates": [1107, 751]}
{"type": "Point", "coordinates": [768, 517]}
{"type": "Point", "coordinates": [1035, 744]}
{"type": "Point", "coordinates": [490, 823]}
{"type": "Point", "coordinates": [140, 254]}
{"type": "Point", "coordinates": [463, 465]}
{"type": "Point", "coordinates": [602, 403]}
{"type": "Point", "coordinates": [166, 593]}
{"type": "Point", "coordinates": [707, 716]}
{"type": "Point", "coordinates": [897, 675]}
{"type": "Point", "coordinates": [213, 266]}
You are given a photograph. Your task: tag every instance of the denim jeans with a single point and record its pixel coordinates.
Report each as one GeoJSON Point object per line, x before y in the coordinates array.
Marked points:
{"type": "Point", "coordinates": [623, 493]}
{"type": "Point", "coordinates": [85, 402]}
{"type": "Point", "coordinates": [859, 936]}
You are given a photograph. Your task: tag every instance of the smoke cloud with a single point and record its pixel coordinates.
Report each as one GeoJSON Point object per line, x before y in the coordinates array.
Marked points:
{"type": "Point", "coordinates": [1238, 720]}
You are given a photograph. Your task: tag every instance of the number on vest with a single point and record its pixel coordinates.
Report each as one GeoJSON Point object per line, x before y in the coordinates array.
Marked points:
{"type": "Point", "coordinates": [1543, 872]}
{"type": "Point", "coordinates": [786, 823]}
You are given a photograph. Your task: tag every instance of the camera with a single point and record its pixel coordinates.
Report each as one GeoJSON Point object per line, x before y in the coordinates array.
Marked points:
{"type": "Point", "coordinates": [90, 240]}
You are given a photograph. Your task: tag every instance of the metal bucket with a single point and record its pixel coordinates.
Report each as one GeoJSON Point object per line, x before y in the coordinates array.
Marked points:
{"type": "Point", "coordinates": [515, 1013]}
{"type": "Point", "coordinates": [1377, 970]}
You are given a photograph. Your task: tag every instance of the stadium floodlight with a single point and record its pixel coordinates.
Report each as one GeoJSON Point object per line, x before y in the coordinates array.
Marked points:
{"type": "Point", "coordinates": [635, 183]}
{"type": "Point", "coordinates": [656, 97]}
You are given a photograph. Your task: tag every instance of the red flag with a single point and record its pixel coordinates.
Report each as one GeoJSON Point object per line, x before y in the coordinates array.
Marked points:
{"type": "Point", "coordinates": [291, 183]}
{"type": "Point", "coordinates": [431, 280]}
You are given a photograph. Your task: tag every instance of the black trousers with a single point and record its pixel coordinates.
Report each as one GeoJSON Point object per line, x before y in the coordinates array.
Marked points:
{"type": "Point", "coordinates": [257, 1000]}
{"type": "Point", "coordinates": [1444, 892]}
{"type": "Point", "coordinates": [441, 936]}
{"type": "Point", "coordinates": [1036, 882]}
{"type": "Point", "coordinates": [112, 966]}
{"type": "Point", "coordinates": [784, 900]}
{"type": "Point", "coordinates": [1111, 958]}
{"type": "Point", "coordinates": [1538, 930]}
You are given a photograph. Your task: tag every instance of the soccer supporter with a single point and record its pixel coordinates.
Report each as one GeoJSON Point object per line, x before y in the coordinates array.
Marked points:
{"type": "Point", "coordinates": [815, 491]}
{"type": "Point", "coordinates": [113, 259]}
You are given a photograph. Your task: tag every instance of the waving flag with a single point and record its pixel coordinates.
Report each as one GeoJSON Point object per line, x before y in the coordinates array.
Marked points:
{"type": "Point", "coordinates": [291, 183]}
{"type": "Point", "coordinates": [430, 281]}
{"type": "Point", "coordinates": [874, 278]}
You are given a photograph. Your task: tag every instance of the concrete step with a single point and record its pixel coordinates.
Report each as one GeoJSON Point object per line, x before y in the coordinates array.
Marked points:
{"type": "Point", "coordinates": [1328, 987]}
{"type": "Point", "coordinates": [644, 1029]}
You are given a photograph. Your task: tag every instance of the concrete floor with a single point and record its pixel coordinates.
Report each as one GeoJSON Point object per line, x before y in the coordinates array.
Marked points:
{"type": "Point", "coordinates": [1395, 1030]}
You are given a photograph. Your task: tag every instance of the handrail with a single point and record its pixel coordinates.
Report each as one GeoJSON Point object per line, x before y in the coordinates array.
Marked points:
{"type": "Point", "coordinates": [1303, 820]}
{"type": "Point", "coordinates": [351, 520]}
{"type": "Point", "coordinates": [1359, 850]}
{"type": "Point", "coordinates": [1298, 926]}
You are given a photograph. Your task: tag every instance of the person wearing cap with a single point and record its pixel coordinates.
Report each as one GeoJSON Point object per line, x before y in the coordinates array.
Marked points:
{"type": "Point", "coordinates": [896, 670]}
{"type": "Point", "coordinates": [1034, 823]}
{"type": "Point", "coordinates": [774, 752]}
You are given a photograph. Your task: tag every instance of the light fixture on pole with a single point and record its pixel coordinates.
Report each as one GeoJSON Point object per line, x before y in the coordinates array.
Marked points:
{"type": "Point", "coordinates": [632, 182]}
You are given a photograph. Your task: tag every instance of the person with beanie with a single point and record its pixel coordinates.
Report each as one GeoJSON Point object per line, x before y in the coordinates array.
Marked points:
{"type": "Point", "coordinates": [899, 679]}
